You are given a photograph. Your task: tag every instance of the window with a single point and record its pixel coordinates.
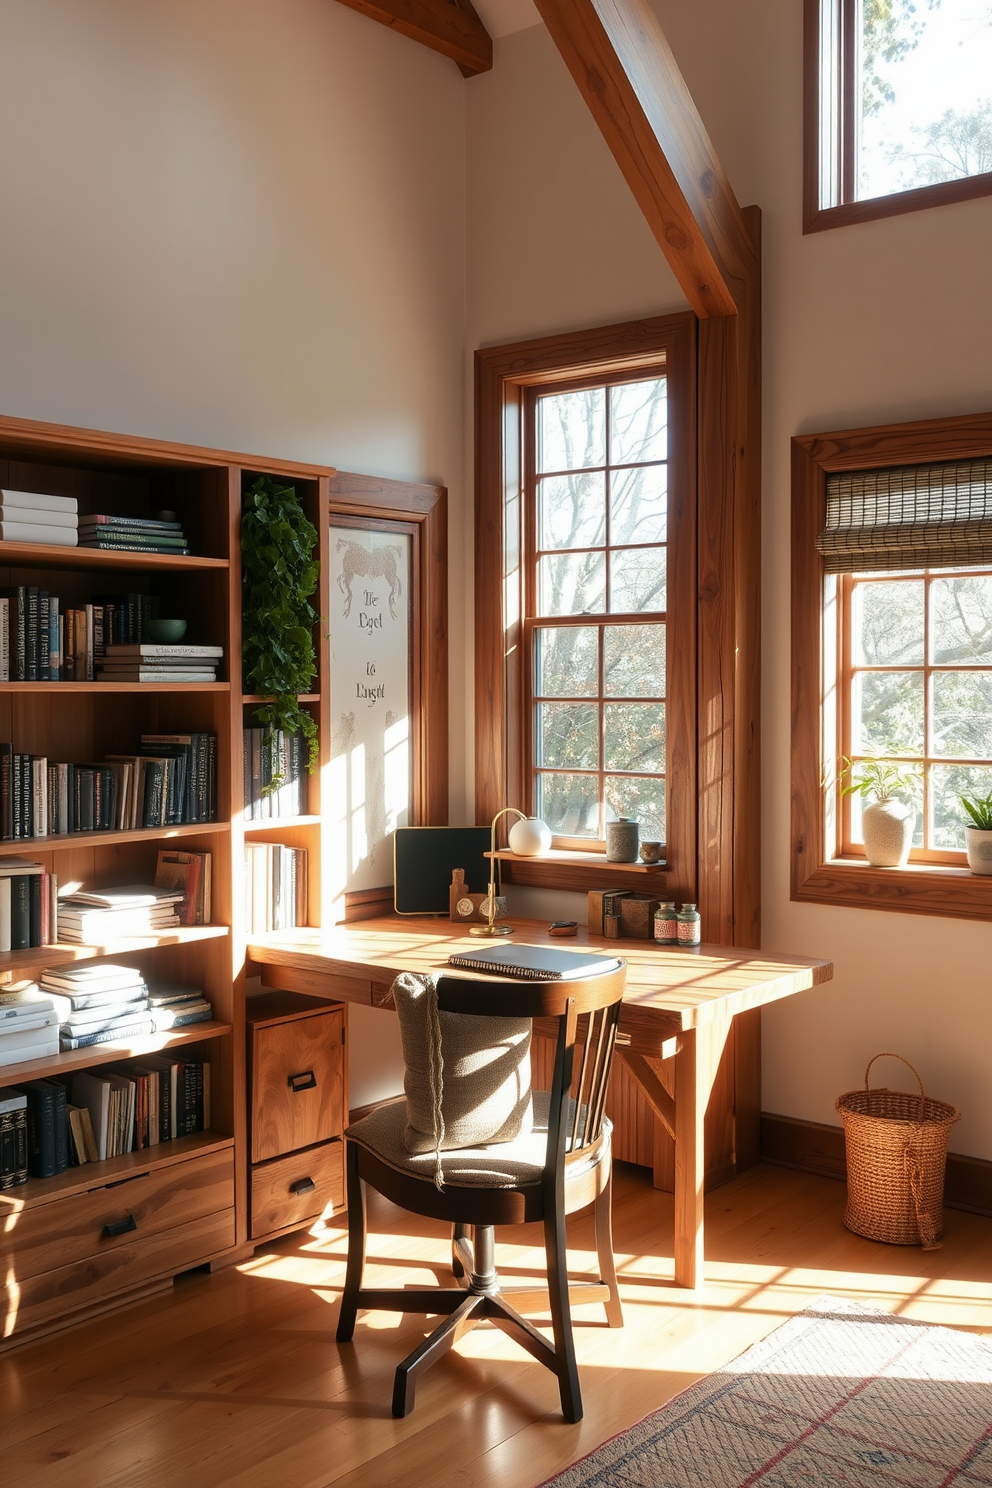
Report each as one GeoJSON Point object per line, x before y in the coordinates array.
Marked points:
{"type": "Point", "coordinates": [898, 106]}
{"type": "Point", "coordinates": [596, 497]}
{"type": "Point", "coordinates": [892, 655]}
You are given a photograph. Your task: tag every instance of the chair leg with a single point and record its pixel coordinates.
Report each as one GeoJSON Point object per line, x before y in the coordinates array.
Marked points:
{"type": "Point", "coordinates": [561, 1317]}
{"type": "Point", "coordinates": [603, 1219]}
{"type": "Point", "coordinates": [356, 1249]}
{"type": "Point", "coordinates": [461, 1321]}
{"type": "Point", "coordinates": [459, 1253]}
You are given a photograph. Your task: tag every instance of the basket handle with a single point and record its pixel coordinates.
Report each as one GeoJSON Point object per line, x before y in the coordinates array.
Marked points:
{"type": "Point", "coordinates": [923, 1099]}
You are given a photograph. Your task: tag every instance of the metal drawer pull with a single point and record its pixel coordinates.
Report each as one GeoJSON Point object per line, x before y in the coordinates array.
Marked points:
{"type": "Point", "coordinates": [302, 1186]}
{"type": "Point", "coordinates": [121, 1227]}
{"type": "Point", "coordinates": [305, 1080]}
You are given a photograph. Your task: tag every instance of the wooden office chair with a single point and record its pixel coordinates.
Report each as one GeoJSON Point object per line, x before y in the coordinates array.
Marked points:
{"type": "Point", "coordinates": [562, 1166]}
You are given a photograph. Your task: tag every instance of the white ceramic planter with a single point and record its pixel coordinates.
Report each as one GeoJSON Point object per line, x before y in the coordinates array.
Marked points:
{"type": "Point", "coordinates": [979, 848]}
{"type": "Point", "coordinates": [887, 827]}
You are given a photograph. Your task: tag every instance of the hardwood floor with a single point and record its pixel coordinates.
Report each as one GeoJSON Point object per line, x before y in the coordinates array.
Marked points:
{"type": "Point", "coordinates": [234, 1380]}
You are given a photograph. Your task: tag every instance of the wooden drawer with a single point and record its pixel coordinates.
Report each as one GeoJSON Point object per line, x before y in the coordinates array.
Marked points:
{"type": "Point", "coordinates": [25, 1304]}
{"type": "Point", "coordinates": [73, 1229]}
{"type": "Point", "coordinates": [297, 1092]}
{"type": "Point", "coordinates": [277, 1202]}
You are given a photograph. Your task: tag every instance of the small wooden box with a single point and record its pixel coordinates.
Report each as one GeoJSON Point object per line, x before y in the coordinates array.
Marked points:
{"type": "Point", "coordinates": [603, 902]}
{"type": "Point", "coordinates": [637, 917]}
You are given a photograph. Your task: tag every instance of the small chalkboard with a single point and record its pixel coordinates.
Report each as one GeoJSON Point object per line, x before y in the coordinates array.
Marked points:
{"type": "Point", "coordinates": [423, 860]}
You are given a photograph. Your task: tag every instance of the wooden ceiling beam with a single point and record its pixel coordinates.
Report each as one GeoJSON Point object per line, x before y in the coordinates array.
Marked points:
{"type": "Point", "coordinates": [623, 66]}
{"type": "Point", "coordinates": [447, 26]}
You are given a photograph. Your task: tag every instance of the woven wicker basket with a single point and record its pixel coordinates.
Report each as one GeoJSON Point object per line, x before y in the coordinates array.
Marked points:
{"type": "Point", "coordinates": [896, 1151]}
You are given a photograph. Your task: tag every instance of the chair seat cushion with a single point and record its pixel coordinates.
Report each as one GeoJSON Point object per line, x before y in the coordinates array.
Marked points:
{"type": "Point", "coordinates": [513, 1164]}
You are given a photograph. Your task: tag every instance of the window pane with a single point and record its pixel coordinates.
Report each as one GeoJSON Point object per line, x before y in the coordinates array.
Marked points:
{"type": "Point", "coordinates": [888, 623]}
{"type": "Point", "coordinates": [634, 660]}
{"type": "Point", "coordinates": [640, 798]}
{"type": "Point", "coordinates": [962, 714]}
{"type": "Point", "coordinates": [574, 584]}
{"type": "Point", "coordinates": [961, 621]}
{"type": "Point", "coordinates": [925, 96]}
{"type": "Point", "coordinates": [639, 414]}
{"type": "Point", "coordinates": [638, 580]}
{"type": "Point", "coordinates": [571, 430]}
{"type": "Point", "coordinates": [635, 736]}
{"type": "Point", "coordinates": [567, 736]}
{"type": "Point", "coordinates": [566, 661]}
{"type": "Point", "coordinates": [572, 511]}
{"type": "Point", "coordinates": [948, 816]}
{"type": "Point", "coordinates": [887, 713]}
{"type": "Point", "coordinates": [639, 505]}
{"type": "Point", "coordinates": [569, 804]}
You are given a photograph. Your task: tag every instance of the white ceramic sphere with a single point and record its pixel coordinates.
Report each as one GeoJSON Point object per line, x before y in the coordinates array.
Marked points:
{"type": "Point", "coordinates": [529, 837]}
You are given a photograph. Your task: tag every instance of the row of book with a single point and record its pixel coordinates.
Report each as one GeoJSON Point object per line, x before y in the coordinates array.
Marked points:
{"type": "Point", "coordinates": [30, 517]}
{"type": "Point", "coordinates": [171, 782]}
{"type": "Point", "coordinates": [275, 887]}
{"type": "Point", "coordinates": [47, 1126]}
{"type": "Point", "coordinates": [36, 517]}
{"type": "Point", "coordinates": [28, 905]}
{"type": "Point", "coordinates": [275, 765]}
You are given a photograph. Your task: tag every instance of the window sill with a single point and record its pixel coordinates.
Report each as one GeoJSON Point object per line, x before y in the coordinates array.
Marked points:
{"type": "Point", "coordinates": [919, 888]}
{"type": "Point", "coordinates": [581, 871]}
{"type": "Point", "coordinates": [916, 199]}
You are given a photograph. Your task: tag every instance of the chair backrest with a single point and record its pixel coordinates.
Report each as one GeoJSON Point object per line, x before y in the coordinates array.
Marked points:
{"type": "Point", "coordinates": [585, 1013]}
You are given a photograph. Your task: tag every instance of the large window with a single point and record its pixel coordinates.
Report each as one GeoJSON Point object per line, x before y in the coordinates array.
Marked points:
{"type": "Point", "coordinates": [596, 599]}
{"type": "Point", "coordinates": [899, 106]}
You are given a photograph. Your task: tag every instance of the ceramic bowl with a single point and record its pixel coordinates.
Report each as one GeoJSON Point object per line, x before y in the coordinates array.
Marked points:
{"type": "Point", "coordinates": [165, 630]}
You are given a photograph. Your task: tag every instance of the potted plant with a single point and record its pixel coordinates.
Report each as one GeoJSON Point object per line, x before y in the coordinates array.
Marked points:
{"type": "Point", "coordinates": [978, 837]}
{"type": "Point", "coordinates": [887, 820]}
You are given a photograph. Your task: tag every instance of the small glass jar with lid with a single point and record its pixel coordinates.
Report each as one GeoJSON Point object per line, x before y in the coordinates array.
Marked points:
{"type": "Point", "coordinates": [666, 925]}
{"type": "Point", "coordinates": [688, 928]}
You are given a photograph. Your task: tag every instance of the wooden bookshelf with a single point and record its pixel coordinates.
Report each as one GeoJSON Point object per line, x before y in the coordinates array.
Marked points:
{"type": "Point", "coordinates": [84, 722]}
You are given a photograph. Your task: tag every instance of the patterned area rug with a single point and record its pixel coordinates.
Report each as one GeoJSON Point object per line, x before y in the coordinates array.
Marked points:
{"type": "Point", "coordinates": [838, 1397]}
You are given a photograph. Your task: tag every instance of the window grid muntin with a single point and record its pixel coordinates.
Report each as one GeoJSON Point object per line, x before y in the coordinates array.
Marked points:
{"type": "Point", "coordinates": [849, 583]}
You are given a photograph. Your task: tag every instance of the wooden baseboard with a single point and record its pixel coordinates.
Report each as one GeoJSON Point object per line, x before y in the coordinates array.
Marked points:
{"type": "Point", "coordinates": [813, 1147]}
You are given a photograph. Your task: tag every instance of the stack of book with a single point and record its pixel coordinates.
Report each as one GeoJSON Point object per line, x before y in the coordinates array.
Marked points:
{"type": "Point", "coordinates": [13, 1138]}
{"type": "Point", "coordinates": [131, 534]}
{"type": "Point", "coordinates": [275, 886]}
{"type": "Point", "coordinates": [174, 1007]}
{"type": "Point", "coordinates": [172, 781]}
{"type": "Point", "coordinates": [28, 905]}
{"type": "Point", "coordinates": [191, 872]}
{"type": "Point", "coordinates": [28, 1025]}
{"type": "Point", "coordinates": [43, 640]}
{"type": "Point", "coordinates": [163, 662]}
{"type": "Point", "coordinates": [275, 774]}
{"type": "Point", "coordinates": [94, 917]}
{"type": "Point", "coordinates": [139, 1104]}
{"type": "Point", "coordinates": [48, 1130]}
{"type": "Point", "coordinates": [29, 517]}
{"type": "Point", "coordinates": [96, 1004]}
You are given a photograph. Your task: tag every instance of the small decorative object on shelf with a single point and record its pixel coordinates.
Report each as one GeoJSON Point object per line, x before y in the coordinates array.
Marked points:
{"type": "Point", "coordinates": [469, 908]}
{"type": "Point", "coordinates": [529, 837]}
{"type": "Point", "coordinates": [30, 517]}
{"type": "Point", "coordinates": [164, 630]}
{"type": "Point", "coordinates": [688, 925]}
{"type": "Point", "coordinates": [563, 928]}
{"type": "Point", "coordinates": [621, 840]}
{"type": "Point", "coordinates": [651, 852]}
{"type": "Point", "coordinates": [887, 822]}
{"type": "Point", "coordinates": [666, 925]}
{"type": "Point", "coordinates": [978, 834]}
{"type": "Point", "coordinates": [637, 916]}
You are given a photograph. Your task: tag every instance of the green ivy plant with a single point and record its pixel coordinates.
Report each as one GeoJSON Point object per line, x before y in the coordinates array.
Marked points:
{"type": "Point", "coordinates": [279, 574]}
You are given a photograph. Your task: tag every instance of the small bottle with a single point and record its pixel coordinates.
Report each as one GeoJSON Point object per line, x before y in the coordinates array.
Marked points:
{"type": "Point", "coordinates": [666, 925]}
{"type": "Point", "coordinates": [688, 925]}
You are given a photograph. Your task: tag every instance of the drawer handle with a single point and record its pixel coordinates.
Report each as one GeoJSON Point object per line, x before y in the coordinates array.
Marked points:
{"type": "Point", "coordinates": [305, 1080]}
{"type": "Point", "coordinates": [122, 1227]}
{"type": "Point", "coordinates": [302, 1186]}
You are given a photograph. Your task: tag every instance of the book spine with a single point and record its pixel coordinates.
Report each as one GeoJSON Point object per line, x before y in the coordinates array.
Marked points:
{"type": "Point", "coordinates": [4, 640]}
{"type": "Point", "coordinates": [27, 804]}
{"type": "Point", "coordinates": [54, 658]}
{"type": "Point", "coordinates": [20, 617]}
{"type": "Point", "coordinates": [34, 908]}
{"type": "Point", "coordinates": [20, 912]}
{"type": "Point", "coordinates": [39, 794]}
{"type": "Point", "coordinates": [138, 1029]}
{"type": "Point", "coordinates": [43, 623]}
{"type": "Point", "coordinates": [69, 647]}
{"type": "Point", "coordinates": [43, 1147]}
{"type": "Point", "coordinates": [6, 793]}
{"type": "Point", "coordinates": [31, 637]}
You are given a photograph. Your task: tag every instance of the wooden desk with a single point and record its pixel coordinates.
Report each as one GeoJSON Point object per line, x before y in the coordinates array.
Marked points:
{"type": "Point", "coordinates": [678, 1005]}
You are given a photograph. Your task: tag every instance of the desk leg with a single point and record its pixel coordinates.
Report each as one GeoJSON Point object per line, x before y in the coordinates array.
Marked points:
{"type": "Point", "coordinates": [696, 1064]}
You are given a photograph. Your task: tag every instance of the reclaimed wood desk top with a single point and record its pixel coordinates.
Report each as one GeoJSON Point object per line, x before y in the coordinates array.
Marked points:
{"type": "Point", "coordinates": [668, 990]}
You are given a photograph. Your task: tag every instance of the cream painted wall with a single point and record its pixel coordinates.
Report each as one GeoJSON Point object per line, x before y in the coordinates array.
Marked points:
{"type": "Point", "coordinates": [239, 223]}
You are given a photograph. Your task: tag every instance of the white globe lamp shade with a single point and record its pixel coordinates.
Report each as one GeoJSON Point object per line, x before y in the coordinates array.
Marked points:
{"type": "Point", "coordinates": [529, 837]}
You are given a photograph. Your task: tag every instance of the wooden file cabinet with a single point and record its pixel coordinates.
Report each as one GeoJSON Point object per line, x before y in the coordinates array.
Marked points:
{"type": "Point", "coordinates": [298, 1110]}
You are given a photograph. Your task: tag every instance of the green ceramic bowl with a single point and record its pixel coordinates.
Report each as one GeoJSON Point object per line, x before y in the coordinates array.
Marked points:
{"type": "Point", "coordinates": [165, 630]}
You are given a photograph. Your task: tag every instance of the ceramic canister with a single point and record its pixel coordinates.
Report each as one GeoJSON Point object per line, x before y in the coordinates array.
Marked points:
{"type": "Point", "coordinates": [622, 839]}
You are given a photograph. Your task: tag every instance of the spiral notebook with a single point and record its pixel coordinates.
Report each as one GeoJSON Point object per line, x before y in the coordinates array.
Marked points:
{"type": "Point", "coordinates": [535, 963]}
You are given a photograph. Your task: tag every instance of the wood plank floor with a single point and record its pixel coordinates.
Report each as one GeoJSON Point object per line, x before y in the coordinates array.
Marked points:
{"type": "Point", "coordinates": [234, 1380]}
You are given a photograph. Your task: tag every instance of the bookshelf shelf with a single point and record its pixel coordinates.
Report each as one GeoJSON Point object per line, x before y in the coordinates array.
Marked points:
{"type": "Point", "coordinates": [36, 958]}
{"type": "Point", "coordinates": [39, 1191]}
{"type": "Point", "coordinates": [79, 687]}
{"type": "Point", "coordinates": [45, 555]}
{"type": "Point", "coordinates": [65, 841]}
{"type": "Point", "coordinates": [280, 823]}
{"type": "Point", "coordinates": [74, 1059]}
{"type": "Point", "coordinates": [257, 697]}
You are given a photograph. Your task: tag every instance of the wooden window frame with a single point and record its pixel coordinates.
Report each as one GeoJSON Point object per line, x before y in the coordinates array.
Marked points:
{"type": "Point", "coordinates": [819, 874]}
{"type": "Point", "coordinates": [503, 377]}
{"type": "Point", "coordinates": [842, 125]}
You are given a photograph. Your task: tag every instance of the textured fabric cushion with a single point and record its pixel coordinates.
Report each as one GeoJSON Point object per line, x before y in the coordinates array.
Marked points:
{"type": "Point", "coordinates": [500, 1165]}
{"type": "Point", "coordinates": [485, 1073]}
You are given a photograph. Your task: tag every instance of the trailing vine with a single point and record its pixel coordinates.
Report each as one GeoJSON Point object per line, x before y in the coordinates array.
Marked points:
{"type": "Point", "coordinates": [280, 573]}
